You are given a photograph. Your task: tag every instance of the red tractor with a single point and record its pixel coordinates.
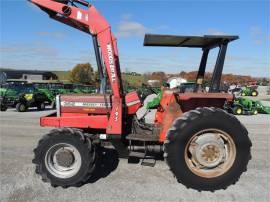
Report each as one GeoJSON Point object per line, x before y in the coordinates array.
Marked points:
{"type": "Point", "coordinates": [205, 147]}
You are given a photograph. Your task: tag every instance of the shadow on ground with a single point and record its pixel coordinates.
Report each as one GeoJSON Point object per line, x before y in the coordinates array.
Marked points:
{"type": "Point", "coordinates": [107, 162]}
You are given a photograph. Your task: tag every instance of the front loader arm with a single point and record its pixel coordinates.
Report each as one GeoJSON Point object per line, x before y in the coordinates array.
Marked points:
{"type": "Point", "coordinates": [92, 22]}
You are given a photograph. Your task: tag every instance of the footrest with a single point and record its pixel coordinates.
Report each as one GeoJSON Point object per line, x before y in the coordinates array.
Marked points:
{"type": "Point", "coordinates": [135, 157]}
{"type": "Point", "coordinates": [150, 164]}
{"type": "Point", "coordinates": [143, 137]}
{"type": "Point", "coordinates": [140, 155]}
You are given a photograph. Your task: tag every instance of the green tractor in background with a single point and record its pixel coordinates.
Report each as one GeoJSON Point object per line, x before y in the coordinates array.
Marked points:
{"type": "Point", "coordinates": [3, 90]}
{"type": "Point", "coordinates": [45, 88]}
{"type": "Point", "coordinates": [245, 106]}
{"type": "Point", "coordinates": [249, 91]}
{"type": "Point", "coordinates": [261, 108]}
{"type": "Point", "coordinates": [143, 90]}
{"type": "Point", "coordinates": [22, 96]}
{"type": "Point", "coordinates": [85, 89]}
{"type": "Point", "coordinates": [53, 89]}
{"type": "Point", "coordinates": [241, 106]}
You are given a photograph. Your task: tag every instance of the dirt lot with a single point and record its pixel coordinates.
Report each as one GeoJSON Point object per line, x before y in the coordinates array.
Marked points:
{"type": "Point", "coordinates": [117, 180]}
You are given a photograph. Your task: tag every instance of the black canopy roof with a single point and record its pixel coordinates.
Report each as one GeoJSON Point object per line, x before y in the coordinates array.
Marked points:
{"type": "Point", "coordinates": [207, 41]}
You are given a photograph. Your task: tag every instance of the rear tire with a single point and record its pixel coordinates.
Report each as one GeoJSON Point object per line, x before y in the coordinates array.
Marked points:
{"type": "Point", "coordinates": [21, 107]}
{"type": "Point", "coordinates": [205, 175]}
{"type": "Point", "coordinates": [76, 164]}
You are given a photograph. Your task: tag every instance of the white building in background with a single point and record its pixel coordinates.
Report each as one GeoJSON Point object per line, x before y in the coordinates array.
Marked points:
{"type": "Point", "coordinates": [29, 74]}
{"type": "Point", "coordinates": [176, 81]}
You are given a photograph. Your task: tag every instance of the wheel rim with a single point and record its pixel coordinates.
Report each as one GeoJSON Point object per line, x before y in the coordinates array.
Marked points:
{"type": "Point", "coordinates": [239, 111]}
{"type": "Point", "coordinates": [210, 153]}
{"type": "Point", "coordinates": [22, 107]}
{"type": "Point", "coordinates": [254, 93]}
{"type": "Point", "coordinates": [63, 160]}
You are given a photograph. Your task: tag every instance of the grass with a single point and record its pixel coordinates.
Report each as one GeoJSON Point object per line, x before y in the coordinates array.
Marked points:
{"type": "Point", "coordinates": [62, 75]}
{"type": "Point", "coordinates": [133, 80]}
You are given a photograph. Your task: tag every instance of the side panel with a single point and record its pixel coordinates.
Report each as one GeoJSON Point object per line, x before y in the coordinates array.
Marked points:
{"type": "Point", "coordinates": [77, 121]}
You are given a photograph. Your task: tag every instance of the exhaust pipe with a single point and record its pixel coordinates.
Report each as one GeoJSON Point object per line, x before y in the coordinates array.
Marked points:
{"type": "Point", "coordinates": [149, 148]}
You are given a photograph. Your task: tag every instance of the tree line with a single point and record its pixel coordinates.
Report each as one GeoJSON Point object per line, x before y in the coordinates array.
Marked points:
{"type": "Point", "coordinates": [85, 74]}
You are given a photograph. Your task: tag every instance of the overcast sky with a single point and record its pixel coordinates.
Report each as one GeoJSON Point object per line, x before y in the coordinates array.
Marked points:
{"type": "Point", "coordinates": [30, 40]}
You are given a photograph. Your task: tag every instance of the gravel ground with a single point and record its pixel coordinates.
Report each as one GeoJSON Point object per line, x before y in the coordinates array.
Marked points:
{"type": "Point", "coordinates": [118, 180]}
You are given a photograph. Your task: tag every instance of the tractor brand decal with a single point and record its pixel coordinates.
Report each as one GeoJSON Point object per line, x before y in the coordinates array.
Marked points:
{"type": "Point", "coordinates": [111, 62]}
{"type": "Point", "coordinates": [116, 113]}
{"type": "Point", "coordinates": [85, 104]}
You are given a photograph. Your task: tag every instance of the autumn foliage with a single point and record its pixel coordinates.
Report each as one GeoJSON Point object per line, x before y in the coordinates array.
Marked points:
{"type": "Point", "coordinates": [82, 73]}
{"type": "Point", "coordinates": [230, 78]}
{"type": "Point", "coordinates": [191, 76]}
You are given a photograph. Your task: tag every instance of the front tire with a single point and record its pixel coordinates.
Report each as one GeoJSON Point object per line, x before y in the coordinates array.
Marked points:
{"type": "Point", "coordinates": [207, 149]}
{"type": "Point", "coordinates": [254, 93]}
{"type": "Point", "coordinates": [3, 108]}
{"type": "Point", "coordinates": [65, 157]}
{"type": "Point", "coordinates": [237, 110]}
{"type": "Point", "coordinates": [255, 112]}
{"type": "Point", "coordinates": [21, 107]}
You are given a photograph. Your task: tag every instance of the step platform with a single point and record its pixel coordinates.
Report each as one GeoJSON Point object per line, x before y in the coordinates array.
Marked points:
{"type": "Point", "coordinates": [143, 137]}
{"type": "Point", "coordinates": [135, 157]}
